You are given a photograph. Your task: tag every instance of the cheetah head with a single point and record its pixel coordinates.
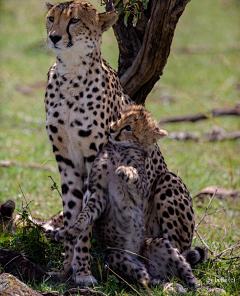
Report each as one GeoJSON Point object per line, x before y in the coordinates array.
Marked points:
{"type": "Point", "coordinates": [76, 25]}
{"type": "Point", "coordinates": [136, 126]}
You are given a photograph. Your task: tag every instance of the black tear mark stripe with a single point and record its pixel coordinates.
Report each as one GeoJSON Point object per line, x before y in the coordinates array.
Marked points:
{"type": "Point", "coordinates": [69, 35]}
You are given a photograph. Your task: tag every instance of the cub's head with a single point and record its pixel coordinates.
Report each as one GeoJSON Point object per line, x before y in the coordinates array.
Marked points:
{"type": "Point", "coordinates": [6, 214]}
{"type": "Point", "coordinates": [76, 25]}
{"type": "Point", "coordinates": [136, 126]}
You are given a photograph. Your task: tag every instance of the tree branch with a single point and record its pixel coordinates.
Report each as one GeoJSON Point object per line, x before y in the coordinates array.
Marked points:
{"type": "Point", "coordinates": [144, 49]}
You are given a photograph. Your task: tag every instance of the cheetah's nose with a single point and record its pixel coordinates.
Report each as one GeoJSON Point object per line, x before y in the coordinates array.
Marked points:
{"type": "Point", "coordinates": [55, 38]}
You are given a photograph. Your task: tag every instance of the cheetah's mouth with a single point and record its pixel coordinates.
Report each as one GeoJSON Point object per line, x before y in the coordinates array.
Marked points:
{"type": "Point", "coordinates": [56, 47]}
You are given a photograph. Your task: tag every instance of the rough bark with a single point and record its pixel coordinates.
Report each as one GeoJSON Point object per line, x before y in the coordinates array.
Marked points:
{"type": "Point", "coordinates": [144, 49]}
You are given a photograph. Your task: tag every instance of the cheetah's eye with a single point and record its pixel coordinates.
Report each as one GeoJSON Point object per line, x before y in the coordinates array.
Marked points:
{"type": "Point", "coordinates": [128, 128]}
{"type": "Point", "coordinates": [51, 19]}
{"type": "Point", "coordinates": [74, 21]}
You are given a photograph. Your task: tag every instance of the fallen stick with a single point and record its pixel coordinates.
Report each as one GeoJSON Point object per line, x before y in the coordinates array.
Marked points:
{"type": "Point", "coordinates": [6, 163]}
{"type": "Point", "coordinates": [202, 116]}
{"type": "Point", "coordinates": [196, 136]}
{"type": "Point", "coordinates": [196, 49]}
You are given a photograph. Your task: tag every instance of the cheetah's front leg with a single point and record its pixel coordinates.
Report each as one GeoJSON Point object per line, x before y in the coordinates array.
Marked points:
{"type": "Point", "coordinates": [72, 196]}
{"type": "Point", "coordinates": [82, 259]}
{"type": "Point", "coordinates": [82, 232]}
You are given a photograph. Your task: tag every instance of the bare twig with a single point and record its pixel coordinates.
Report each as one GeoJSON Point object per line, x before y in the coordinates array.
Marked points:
{"type": "Point", "coordinates": [202, 240]}
{"type": "Point", "coordinates": [123, 280]}
{"type": "Point", "coordinates": [12, 260]}
{"type": "Point", "coordinates": [205, 213]}
{"type": "Point", "coordinates": [54, 186]}
{"type": "Point", "coordinates": [237, 245]}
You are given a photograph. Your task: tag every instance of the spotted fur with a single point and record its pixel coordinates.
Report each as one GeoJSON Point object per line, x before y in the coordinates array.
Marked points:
{"type": "Point", "coordinates": [83, 97]}
{"type": "Point", "coordinates": [114, 202]}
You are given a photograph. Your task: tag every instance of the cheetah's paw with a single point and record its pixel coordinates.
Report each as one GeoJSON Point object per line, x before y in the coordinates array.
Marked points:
{"type": "Point", "coordinates": [75, 230]}
{"type": "Point", "coordinates": [86, 280]}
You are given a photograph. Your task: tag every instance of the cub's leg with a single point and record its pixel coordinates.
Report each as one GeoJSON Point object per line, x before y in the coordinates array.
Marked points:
{"type": "Point", "coordinates": [128, 266]}
{"type": "Point", "coordinates": [170, 215]}
{"type": "Point", "coordinates": [91, 212]}
{"type": "Point", "coordinates": [164, 260]}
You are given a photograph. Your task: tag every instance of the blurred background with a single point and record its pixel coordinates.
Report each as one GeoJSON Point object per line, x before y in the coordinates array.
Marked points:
{"type": "Point", "coordinates": [202, 73]}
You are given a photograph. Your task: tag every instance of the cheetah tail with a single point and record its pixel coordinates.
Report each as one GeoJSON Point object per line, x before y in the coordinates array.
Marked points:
{"type": "Point", "coordinates": [195, 256]}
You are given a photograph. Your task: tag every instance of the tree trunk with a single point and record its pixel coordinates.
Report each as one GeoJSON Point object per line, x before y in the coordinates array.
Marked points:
{"type": "Point", "coordinates": [144, 49]}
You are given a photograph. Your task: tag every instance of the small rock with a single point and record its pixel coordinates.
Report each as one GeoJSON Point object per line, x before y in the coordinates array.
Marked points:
{"type": "Point", "coordinates": [174, 288]}
{"type": "Point", "coordinates": [216, 291]}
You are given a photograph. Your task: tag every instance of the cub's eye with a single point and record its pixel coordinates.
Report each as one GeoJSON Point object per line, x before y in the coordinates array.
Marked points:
{"type": "Point", "coordinates": [128, 128]}
{"type": "Point", "coordinates": [51, 19]}
{"type": "Point", "coordinates": [74, 21]}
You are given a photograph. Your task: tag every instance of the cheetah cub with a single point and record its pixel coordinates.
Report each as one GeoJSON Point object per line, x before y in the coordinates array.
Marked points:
{"type": "Point", "coordinates": [117, 190]}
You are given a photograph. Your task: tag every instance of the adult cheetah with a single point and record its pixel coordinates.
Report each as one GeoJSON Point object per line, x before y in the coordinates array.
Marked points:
{"type": "Point", "coordinates": [83, 96]}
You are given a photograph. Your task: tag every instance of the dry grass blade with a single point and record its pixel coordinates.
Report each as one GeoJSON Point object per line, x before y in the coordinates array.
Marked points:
{"type": "Point", "coordinates": [123, 280]}
{"type": "Point", "coordinates": [6, 163]}
{"type": "Point", "coordinates": [202, 240]}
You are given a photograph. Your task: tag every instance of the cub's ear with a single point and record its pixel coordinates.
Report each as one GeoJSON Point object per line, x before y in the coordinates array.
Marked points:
{"type": "Point", "coordinates": [107, 19]}
{"type": "Point", "coordinates": [159, 133]}
{"type": "Point", "coordinates": [49, 6]}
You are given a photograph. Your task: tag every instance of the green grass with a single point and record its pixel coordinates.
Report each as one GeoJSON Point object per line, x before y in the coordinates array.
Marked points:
{"type": "Point", "coordinates": [199, 81]}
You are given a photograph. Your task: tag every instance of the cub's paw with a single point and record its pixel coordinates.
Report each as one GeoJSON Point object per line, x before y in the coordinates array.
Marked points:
{"type": "Point", "coordinates": [50, 233]}
{"type": "Point", "coordinates": [76, 229]}
{"type": "Point", "coordinates": [128, 174]}
{"type": "Point", "coordinates": [60, 235]}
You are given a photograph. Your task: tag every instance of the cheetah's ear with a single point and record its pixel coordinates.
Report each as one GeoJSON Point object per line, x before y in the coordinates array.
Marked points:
{"type": "Point", "coordinates": [107, 19]}
{"type": "Point", "coordinates": [49, 6]}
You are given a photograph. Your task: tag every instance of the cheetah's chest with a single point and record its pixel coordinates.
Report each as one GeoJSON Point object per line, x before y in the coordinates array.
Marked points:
{"type": "Point", "coordinates": [74, 125]}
